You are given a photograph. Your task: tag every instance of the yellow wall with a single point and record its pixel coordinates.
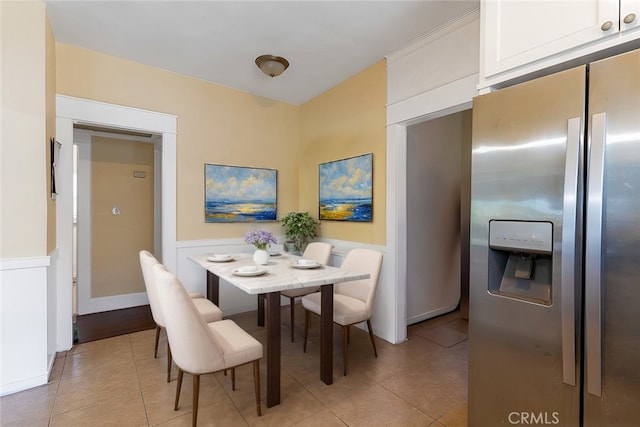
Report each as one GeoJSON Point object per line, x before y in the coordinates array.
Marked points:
{"type": "Point", "coordinates": [23, 193]}
{"type": "Point", "coordinates": [117, 239]}
{"type": "Point", "coordinates": [216, 124]}
{"type": "Point", "coordinates": [50, 94]}
{"type": "Point", "coordinates": [346, 121]}
{"type": "Point", "coordinates": [224, 126]}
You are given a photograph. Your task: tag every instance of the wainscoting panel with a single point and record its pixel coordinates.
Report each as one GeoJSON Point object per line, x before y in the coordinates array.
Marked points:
{"type": "Point", "coordinates": [24, 361]}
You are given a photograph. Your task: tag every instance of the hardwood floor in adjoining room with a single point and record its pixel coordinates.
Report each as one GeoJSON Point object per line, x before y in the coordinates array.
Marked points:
{"type": "Point", "coordinates": [113, 323]}
{"type": "Point", "coordinates": [116, 381]}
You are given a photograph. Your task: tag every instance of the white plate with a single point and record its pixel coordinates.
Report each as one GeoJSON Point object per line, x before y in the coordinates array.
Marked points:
{"type": "Point", "coordinates": [258, 272]}
{"type": "Point", "coordinates": [220, 258]}
{"type": "Point", "coordinates": [305, 266]}
{"type": "Point", "coordinates": [275, 253]}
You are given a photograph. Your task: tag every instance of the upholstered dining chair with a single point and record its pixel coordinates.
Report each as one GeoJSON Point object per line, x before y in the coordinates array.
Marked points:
{"type": "Point", "coordinates": [208, 310]}
{"type": "Point", "coordinates": [201, 348]}
{"type": "Point", "coordinates": [352, 301]}
{"type": "Point", "coordinates": [320, 252]}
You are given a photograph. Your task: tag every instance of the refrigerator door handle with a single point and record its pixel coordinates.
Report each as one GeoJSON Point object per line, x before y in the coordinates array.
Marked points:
{"type": "Point", "coordinates": [593, 253]}
{"type": "Point", "coordinates": [567, 286]}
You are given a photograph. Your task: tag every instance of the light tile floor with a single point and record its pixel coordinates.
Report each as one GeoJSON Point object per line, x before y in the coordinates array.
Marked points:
{"type": "Point", "coordinates": [116, 381]}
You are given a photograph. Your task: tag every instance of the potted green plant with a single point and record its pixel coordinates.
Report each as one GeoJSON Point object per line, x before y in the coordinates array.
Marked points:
{"type": "Point", "coordinates": [299, 228]}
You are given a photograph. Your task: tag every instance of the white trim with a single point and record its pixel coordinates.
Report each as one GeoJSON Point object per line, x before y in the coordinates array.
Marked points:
{"type": "Point", "coordinates": [72, 111]}
{"type": "Point", "coordinates": [438, 100]}
{"type": "Point", "coordinates": [442, 31]}
{"type": "Point", "coordinates": [23, 384]}
{"type": "Point", "coordinates": [18, 263]}
{"type": "Point", "coordinates": [397, 224]}
{"type": "Point", "coordinates": [430, 314]}
{"type": "Point", "coordinates": [64, 236]}
{"type": "Point", "coordinates": [420, 105]}
{"type": "Point", "coordinates": [169, 200]}
{"type": "Point", "coordinates": [114, 302]}
{"type": "Point", "coordinates": [98, 113]}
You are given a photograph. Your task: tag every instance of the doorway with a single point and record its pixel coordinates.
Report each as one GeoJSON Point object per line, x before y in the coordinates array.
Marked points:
{"type": "Point", "coordinates": [74, 112]}
{"type": "Point", "coordinates": [115, 184]}
{"type": "Point", "coordinates": [438, 205]}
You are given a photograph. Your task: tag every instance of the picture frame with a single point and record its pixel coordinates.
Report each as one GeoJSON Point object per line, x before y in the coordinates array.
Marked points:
{"type": "Point", "coordinates": [239, 194]}
{"type": "Point", "coordinates": [346, 189]}
{"type": "Point", "coordinates": [55, 155]}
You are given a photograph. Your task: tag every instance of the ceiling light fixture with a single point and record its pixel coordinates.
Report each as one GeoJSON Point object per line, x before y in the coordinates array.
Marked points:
{"type": "Point", "coordinates": [272, 65]}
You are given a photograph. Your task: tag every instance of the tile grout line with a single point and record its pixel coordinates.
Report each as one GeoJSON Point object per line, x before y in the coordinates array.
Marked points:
{"type": "Point", "coordinates": [135, 361]}
{"type": "Point", "coordinates": [55, 396]}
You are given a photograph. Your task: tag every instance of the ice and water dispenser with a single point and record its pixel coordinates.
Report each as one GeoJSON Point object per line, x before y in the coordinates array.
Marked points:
{"type": "Point", "coordinates": [520, 260]}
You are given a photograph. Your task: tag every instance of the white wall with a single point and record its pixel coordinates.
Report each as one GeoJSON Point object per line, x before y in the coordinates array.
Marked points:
{"type": "Point", "coordinates": [434, 173]}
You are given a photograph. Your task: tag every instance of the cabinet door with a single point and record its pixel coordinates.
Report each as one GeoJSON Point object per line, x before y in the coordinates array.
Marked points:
{"type": "Point", "coordinates": [520, 32]}
{"type": "Point", "coordinates": [629, 15]}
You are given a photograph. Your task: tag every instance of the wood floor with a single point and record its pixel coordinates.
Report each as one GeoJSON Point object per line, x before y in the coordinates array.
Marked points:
{"type": "Point", "coordinates": [97, 326]}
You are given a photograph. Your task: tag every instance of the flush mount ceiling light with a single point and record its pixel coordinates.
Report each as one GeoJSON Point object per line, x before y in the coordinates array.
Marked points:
{"type": "Point", "coordinates": [272, 65]}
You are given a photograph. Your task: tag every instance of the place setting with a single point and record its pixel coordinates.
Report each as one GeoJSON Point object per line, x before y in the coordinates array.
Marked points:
{"type": "Point", "coordinates": [249, 271]}
{"type": "Point", "coordinates": [305, 264]}
{"type": "Point", "coordinates": [220, 258]}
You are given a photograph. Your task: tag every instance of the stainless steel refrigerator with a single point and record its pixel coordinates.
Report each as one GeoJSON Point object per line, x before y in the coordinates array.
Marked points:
{"type": "Point", "coordinates": [554, 328]}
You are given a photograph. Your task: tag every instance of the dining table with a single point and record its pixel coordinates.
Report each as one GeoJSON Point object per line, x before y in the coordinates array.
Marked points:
{"type": "Point", "coordinates": [282, 272]}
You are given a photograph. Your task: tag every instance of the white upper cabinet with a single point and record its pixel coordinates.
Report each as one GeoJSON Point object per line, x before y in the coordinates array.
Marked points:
{"type": "Point", "coordinates": [629, 16]}
{"type": "Point", "coordinates": [522, 36]}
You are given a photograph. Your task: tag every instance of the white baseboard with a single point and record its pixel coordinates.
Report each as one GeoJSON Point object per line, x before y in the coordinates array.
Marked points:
{"type": "Point", "coordinates": [116, 302]}
{"type": "Point", "coordinates": [430, 314]}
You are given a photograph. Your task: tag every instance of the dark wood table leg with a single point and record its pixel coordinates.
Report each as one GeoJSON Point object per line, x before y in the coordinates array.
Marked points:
{"type": "Point", "coordinates": [213, 288]}
{"type": "Point", "coordinates": [261, 300]}
{"type": "Point", "coordinates": [326, 334]}
{"type": "Point", "coordinates": [273, 349]}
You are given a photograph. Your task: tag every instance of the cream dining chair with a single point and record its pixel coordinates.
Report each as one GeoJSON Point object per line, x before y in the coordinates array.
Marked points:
{"type": "Point", "coordinates": [352, 301]}
{"type": "Point", "coordinates": [208, 310]}
{"type": "Point", "coordinates": [200, 348]}
{"type": "Point", "coordinates": [320, 252]}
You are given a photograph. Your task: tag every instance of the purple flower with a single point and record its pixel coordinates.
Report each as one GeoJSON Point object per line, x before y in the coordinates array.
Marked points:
{"type": "Point", "coordinates": [260, 238]}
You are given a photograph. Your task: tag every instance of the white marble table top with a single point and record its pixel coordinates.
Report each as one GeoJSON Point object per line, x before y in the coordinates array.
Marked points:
{"type": "Point", "coordinates": [280, 275]}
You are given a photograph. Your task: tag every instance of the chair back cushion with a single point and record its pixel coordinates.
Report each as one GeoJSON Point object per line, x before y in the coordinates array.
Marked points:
{"type": "Point", "coordinates": [193, 346]}
{"type": "Point", "coordinates": [320, 252]}
{"type": "Point", "coordinates": [362, 261]}
{"type": "Point", "coordinates": [147, 261]}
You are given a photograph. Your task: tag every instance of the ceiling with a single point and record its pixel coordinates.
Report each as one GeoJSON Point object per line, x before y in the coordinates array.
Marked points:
{"type": "Point", "coordinates": [326, 42]}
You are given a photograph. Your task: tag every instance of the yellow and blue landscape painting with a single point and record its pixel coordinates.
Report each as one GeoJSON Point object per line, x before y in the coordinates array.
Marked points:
{"type": "Point", "coordinates": [239, 194]}
{"type": "Point", "coordinates": [346, 189]}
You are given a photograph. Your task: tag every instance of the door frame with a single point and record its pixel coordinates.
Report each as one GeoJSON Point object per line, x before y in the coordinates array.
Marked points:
{"type": "Point", "coordinates": [69, 112]}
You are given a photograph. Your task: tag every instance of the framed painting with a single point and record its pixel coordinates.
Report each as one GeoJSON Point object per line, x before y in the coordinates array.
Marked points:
{"type": "Point", "coordinates": [346, 189]}
{"type": "Point", "coordinates": [239, 194]}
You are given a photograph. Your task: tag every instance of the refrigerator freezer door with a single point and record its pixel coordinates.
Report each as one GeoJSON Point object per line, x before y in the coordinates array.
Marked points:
{"type": "Point", "coordinates": [520, 142]}
{"type": "Point", "coordinates": [615, 91]}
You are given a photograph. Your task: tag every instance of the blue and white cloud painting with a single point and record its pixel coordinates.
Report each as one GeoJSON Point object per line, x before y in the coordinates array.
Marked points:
{"type": "Point", "coordinates": [239, 194]}
{"type": "Point", "coordinates": [346, 189]}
